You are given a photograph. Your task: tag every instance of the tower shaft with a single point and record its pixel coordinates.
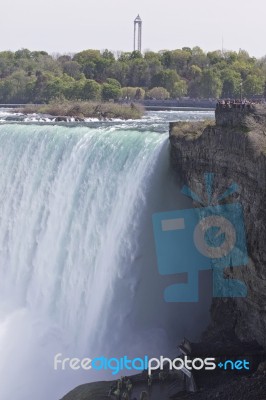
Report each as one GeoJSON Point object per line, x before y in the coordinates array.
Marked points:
{"type": "Point", "coordinates": [138, 34]}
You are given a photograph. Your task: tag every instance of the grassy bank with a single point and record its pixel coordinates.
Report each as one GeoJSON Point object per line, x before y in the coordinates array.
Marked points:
{"type": "Point", "coordinates": [86, 109]}
{"type": "Point", "coordinates": [189, 129]}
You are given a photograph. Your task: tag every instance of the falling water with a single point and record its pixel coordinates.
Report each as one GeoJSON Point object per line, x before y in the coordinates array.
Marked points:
{"type": "Point", "coordinates": [78, 271]}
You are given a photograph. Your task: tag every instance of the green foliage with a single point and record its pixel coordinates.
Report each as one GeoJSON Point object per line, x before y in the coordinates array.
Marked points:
{"type": "Point", "coordinates": [188, 129]}
{"type": "Point", "coordinates": [111, 90]}
{"type": "Point", "coordinates": [86, 109]}
{"type": "Point", "coordinates": [158, 93]}
{"type": "Point", "coordinates": [231, 83]}
{"type": "Point", "coordinates": [132, 93]}
{"type": "Point", "coordinates": [211, 84]}
{"type": "Point", "coordinates": [36, 76]}
{"type": "Point", "coordinates": [195, 71]}
{"type": "Point", "coordinates": [166, 79]}
{"type": "Point", "coordinates": [138, 72]}
{"type": "Point", "coordinates": [73, 69]}
{"type": "Point", "coordinates": [177, 59]}
{"type": "Point", "coordinates": [179, 89]}
{"type": "Point", "coordinates": [215, 57]}
{"type": "Point", "coordinates": [91, 90]}
{"type": "Point", "coordinates": [253, 84]}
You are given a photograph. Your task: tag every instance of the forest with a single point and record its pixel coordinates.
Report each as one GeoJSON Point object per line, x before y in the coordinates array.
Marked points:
{"type": "Point", "coordinates": [37, 77]}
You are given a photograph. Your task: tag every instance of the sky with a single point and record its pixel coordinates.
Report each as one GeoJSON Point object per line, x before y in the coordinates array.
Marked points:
{"type": "Point", "coordinates": [64, 26]}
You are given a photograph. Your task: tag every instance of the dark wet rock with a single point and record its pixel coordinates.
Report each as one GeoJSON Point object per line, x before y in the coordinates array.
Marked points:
{"type": "Point", "coordinates": [262, 367]}
{"type": "Point", "coordinates": [234, 154]}
{"type": "Point", "coordinates": [14, 118]}
{"type": "Point", "coordinates": [61, 119]}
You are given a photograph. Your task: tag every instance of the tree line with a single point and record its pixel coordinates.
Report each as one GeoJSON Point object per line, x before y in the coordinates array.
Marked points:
{"type": "Point", "coordinates": [37, 77]}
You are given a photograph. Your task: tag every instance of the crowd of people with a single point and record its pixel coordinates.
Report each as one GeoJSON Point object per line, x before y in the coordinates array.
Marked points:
{"type": "Point", "coordinates": [226, 104]}
{"type": "Point", "coordinates": [236, 103]}
{"type": "Point", "coordinates": [122, 390]}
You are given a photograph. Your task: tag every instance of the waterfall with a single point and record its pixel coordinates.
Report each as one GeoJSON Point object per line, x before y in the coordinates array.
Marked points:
{"type": "Point", "coordinates": [78, 271]}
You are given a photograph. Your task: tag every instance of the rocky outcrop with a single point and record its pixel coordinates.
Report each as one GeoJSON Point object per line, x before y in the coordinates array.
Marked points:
{"type": "Point", "coordinates": [234, 152]}
{"type": "Point", "coordinates": [67, 119]}
{"type": "Point", "coordinates": [239, 115]}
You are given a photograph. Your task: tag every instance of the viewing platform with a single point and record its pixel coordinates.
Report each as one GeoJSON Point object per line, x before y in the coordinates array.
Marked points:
{"type": "Point", "coordinates": [234, 113]}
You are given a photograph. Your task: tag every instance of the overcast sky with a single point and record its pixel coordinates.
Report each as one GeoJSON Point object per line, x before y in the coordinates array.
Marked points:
{"type": "Point", "coordinates": [70, 26]}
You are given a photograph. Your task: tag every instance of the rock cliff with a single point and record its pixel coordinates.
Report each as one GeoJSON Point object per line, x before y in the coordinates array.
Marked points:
{"type": "Point", "coordinates": [234, 149]}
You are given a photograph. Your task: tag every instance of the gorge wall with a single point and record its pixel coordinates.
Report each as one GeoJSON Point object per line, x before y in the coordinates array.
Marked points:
{"type": "Point", "coordinates": [234, 149]}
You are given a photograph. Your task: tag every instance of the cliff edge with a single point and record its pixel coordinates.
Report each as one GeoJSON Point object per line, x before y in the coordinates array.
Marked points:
{"type": "Point", "coordinates": [234, 149]}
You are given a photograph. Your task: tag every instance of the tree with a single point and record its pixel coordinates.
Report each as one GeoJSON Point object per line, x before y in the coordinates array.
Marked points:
{"type": "Point", "coordinates": [231, 83]}
{"type": "Point", "coordinates": [198, 57]}
{"type": "Point", "coordinates": [111, 90]}
{"type": "Point", "coordinates": [91, 90]}
{"type": "Point", "coordinates": [108, 55]}
{"type": "Point", "coordinates": [180, 89]}
{"type": "Point", "coordinates": [166, 79]}
{"type": "Point", "coordinates": [7, 64]}
{"type": "Point", "coordinates": [88, 60]}
{"type": "Point", "coordinates": [124, 57]}
{"type": "Point", "coordinates": [230, 56]}
{"type": "Point", "coordinates": [138, 72]}
{"type": "Point", "coordinates": [158, 93]}
{"type": "Point", "coordinates": [194, 72]}
{"type": "Point", "coordinates": [135, 55]}
{"type": "Point", "coordinates": [38, 77]}
{"type": "Point", "coordinates": [17, 88]}
{"type": "Point", "coordinates": [194, 88]}
{"type": "Point", "coordinates": [63, 59]}
{"type": "Point", "coordinates": [180, 60]}
{"type": "Point", "coordinates": [211, 84]}
{"type": "Point", "coordinates": [73, 69]}
{"type": "Point", "coordinates": [85, 56]}
{"type": "Point", "coordinates": [253, 85]}
{"type": "Point", "coordinates": [215, 57]}
{"type": "Point", "coordinates": [7, 90]}
{"type": "Point", "coordinates": [166, 58]}
{"type": "Point", "coordinates": [119, 70]}
{"type": "Point", "coordinates": [132, 93]}
{"type": "Point", "coordinates": [23, 53]}
{"type": "Point", "coordinates": [151, 55]}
